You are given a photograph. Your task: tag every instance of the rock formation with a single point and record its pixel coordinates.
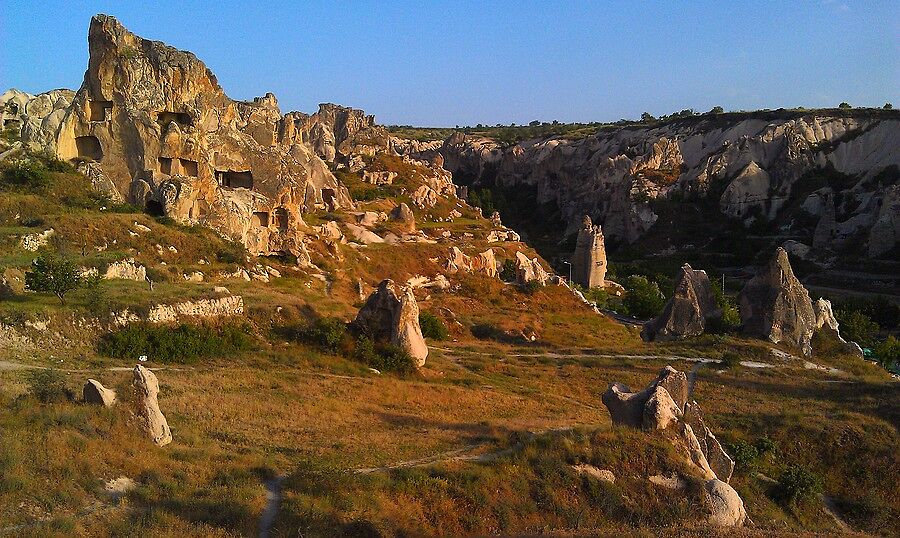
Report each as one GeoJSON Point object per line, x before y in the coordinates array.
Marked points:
{"type": "Point", "coordinates": [665, 405]}
{"type": "Point", "coordinates": [726, 506]}
{"type": "Point", "coordinates": [483, 263]}
{"type": "Point", "coordinates": [95, 393]}
{"type": "Point", "coordinates": [759, 157]}
{"type": "Point", "coordinates": [885, 233]}
{"type": "Point", "coordinates": [823, 236]}
{"type": "Point", "coordinates": [688, 311]}
{"type": "Point", "coordinates": [529, 269]}
{"type": "Point", "coordinates": [152, 124]}
{"type": "Point", "coordinates": [589, 258]}
{"type": "Point", "coordinates": [146, 388]}
{"type": "Point", "coordinates": [775, 306]}
{"type": "Point", "coordinates": [404, 215]}
{"type": "Point", "coordinates": [392, 315]}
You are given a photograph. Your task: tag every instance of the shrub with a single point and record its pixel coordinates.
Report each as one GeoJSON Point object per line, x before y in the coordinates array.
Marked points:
{"type": "Point", "coordinates": [887, 353]}
{"type": "Point", "coordinates": [48, 386]}
{"type": "Point", "coordinates": [95, 298]}
{"type": "Point", "coordinates": [857, 327]}
{"type": "Point", "coordinates": [731, 317]}
{"type": "Point", "coordinates": [232, 252]}
{"type": "Point", "coordinates": [383, 357]}
{"type": "Point", "coordinates": [744, 455]}
{"type": "Point", "coordinates": [181, 344]}
{"type": "Point", "coordinates": [53, 275]}
{"type": "Point", "coordinates": [796, 484]}
{"type": "Point", "coordinates": [432, 326]}
{"type": "Point", "coordinates": [25, 174]}
{"type": "Point", "coordinates": [730, 359]}
{"type": "Point", "coordinates": [508, 271]}
{"type": "Point", "coordinates": [326, 333]}
{"type": "Point", "coordinates": [643, 299]}
{"type": "Point", "coordinates": [486, 331]}
{"type": "Point", "coordinates": [531, 287]}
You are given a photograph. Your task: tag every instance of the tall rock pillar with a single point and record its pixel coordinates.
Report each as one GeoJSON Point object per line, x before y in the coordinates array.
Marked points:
{"type": "Point", "coordinates": [589, 258]}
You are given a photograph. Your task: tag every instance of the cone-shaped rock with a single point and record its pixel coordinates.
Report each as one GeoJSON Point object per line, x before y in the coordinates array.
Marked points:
{"type": "Point", "coordinates": [688, 311]}
{"type": "Point", "coordinates": [392, 316]}
{"type": "Point", "coordinates": [589, 258]}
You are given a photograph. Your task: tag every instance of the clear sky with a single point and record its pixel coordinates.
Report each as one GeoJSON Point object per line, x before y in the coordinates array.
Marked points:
{"type": "Point", "coordinates": [461, 63]}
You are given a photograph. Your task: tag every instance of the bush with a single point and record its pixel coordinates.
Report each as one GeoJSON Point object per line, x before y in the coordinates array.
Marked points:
{"type": "Point", "coordinates": [181, 344]}
{"type": "Point", "coordinates": [232, 252]}
{"type": "Point", "coordinates": [730, 359]}
{"type": "Point", "coordinates": [531, 287]}
{"type": "Point", "coordinates": [53, 275]}
{"type": "Point", "coordinates": [383, 357]}
{"type": "Point", "coordinates": [857, 327]}
{"type": "Point", "coordinates": [95, 298]}
{"type": "Point", "coordinates": [797, 484]}
{"type": "Point", "coordinates": [508, 271]}
{"type": "Point", "coordinates": [48, 386]}
{"type": "Point", "coordinates": [731, 317]}
{"type": "Point", "coordinates": [887, 353]}
{"type": "Point", "coordinates": [432, 326]}
{"type": "Point", "coordinates": [643, 299]}
{"type": "Point", "coordinates": [486, 331]}
{"type": "Point", "coordinates": [326, 333]}
{"type": "Point", "coordinates": [25, 174]}
{"type": "Point", "coordinates": [744, 454]}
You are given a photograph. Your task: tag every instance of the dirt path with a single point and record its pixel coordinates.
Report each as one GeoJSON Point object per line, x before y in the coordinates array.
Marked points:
{"type": "Point", "coordinates": [273, 503]}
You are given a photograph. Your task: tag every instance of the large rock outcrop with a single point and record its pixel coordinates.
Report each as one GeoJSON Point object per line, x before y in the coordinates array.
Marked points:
{"type": "Point", "coordinates": [153, 123]}
{"type": "Point", "coordinates": [689, 310]}
{"type": "Point", "coordinates": [775, 306]}
{"type": "Point", "coordinates": [392, 315]}
{"type": "Point", "coordinates": [94, 392]}
{"type": "Point", "coordinates": [885, 233]}
{"type": "Point", "coordinates": [528, 270]}
{"type": "Point", "coordinates": [665, 404]}
{"type": "Point", "coordinates": [589, 258]}
{"type": "Point", "coordinates": [146, 388]}
{"type": "Point", "coordinates": [751, 162]}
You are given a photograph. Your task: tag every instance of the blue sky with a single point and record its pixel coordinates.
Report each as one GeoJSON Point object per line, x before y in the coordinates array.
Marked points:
{"type": "Point", "coordinates": [462, 63]}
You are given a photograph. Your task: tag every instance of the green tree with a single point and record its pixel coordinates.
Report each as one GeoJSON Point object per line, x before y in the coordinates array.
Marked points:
{"type": "Point", "coordinates": [717, 110]}
{"type": "Point", "coordinates": [887, 353]}
{"type": "Point", "coordinates": [844, 105]}
{"type": "Point", "coordinates": [857, 327]}
{"type": "Point", "coordinates": [888, 106]}
{"type": "Point", "coordinates": [52, 275]}
{"type": "Point", "coordinates": [643, 299]}
{"type": "Point", "coordinates": [646, 117]}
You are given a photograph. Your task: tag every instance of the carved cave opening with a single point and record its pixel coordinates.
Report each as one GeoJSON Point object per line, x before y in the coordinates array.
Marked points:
{"type": "Point", "coordinates": [99, 110]}
{"type": "Point", "coordinates": [328, 197]}
{"type": "Point", "coordinates": [155, 208]}
{"type": "Point", "coordinates": [165, 166]}
{"type": "Point", "coordinates": [282, 218]}
{"type": "Point", "coordinates": [166, 117]}
{"type": "Point", "coordinates": [235, 180]}
{"type": "Point", "coordinates": [88, 147]}
{"type": "Point", "coordinates": [188, 167]}
{"type": "Point", "coordinates": [260, 219]}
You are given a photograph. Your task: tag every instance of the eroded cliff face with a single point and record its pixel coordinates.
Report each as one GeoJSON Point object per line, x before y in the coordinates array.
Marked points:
{"type": "Point", "coordinates": [750, 166]}
{"type": "Point", "coordinates": [152, 123]}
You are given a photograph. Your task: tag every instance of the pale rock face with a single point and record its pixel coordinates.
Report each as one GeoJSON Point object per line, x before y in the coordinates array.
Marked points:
{"type": "Point", "coordinates": [32, 242]}
{"type": "Point", "coordinates": [824, 234]}
{"type": "Point", "coordinates": [404, 215]}
{"type": "Point", "coordinates": [885, 233]}
{"type": "Point", "coordinates": [425, 197]}
{"type": "Point", "coordinates": [392, 316]}
{"type": "Point", "coordinates": [126, 270]}
{"type": "Point", "coordinates": [146, 388]}
{"type": "Point", "coordinates": [746, 193]}
{"type": "Point", "coordinates": [660, 411]}
{"type": "Point", "coordinates": [775, 306]}
{"type": "Point", "coordinates": [95, 393]}
{"type": "Point", "coordinates": [152, 122]}
{"type": "Point", "coordinates": [727, 508]}
{"type": "Point", "coordinates": [824, 315]}
{"type": "Point", "coordinates": [362, 235]}
{"type": "Point", "coordinates": [528, 270]}
{"type": "Point", "coordinates": [689, 310]}
{"type": "Point", "coordinates": [589, 258]}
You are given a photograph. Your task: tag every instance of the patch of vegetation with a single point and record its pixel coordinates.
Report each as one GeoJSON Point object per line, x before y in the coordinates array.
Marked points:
{"type": "Point", "coordinates": [796, 484]}
{"type": "Point", "coordinates": [48, 386]}
{"type": "Point", "coordinates": [887, 353]}
{"type": "Point", "coordinates": [52, 274]}
{"type": "Point", "coordinates": [857, 327]}
{"type": "Point", "coordinates": [507, 271]}
{"type": "Point", "coordinates": [643, 298]}
{"type": "Point", "coordinates": [383, 357]}
{"type": "Point", "coordinates": [433, 327]}
{"type": "Point", "coordinates": [184, 343]}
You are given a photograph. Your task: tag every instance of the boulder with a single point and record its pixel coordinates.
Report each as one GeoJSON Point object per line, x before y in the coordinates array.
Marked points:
{"type": "Point", "coordinates": [529, 269]}
{"type": "Point", "coordinates": [689, 310]}
{"type": "Point", "coordinates": [485, 263]}
{"type": "Point", "coordinates": [628, 408]}
{"type": "Point", "coordinates": [392, 315]}
{"type": "Point", "coordinates": [726, 506]}
{"type": "Point", "coordinates": [660, 411]}
{"type": "Point", "coordinates": [146, 388]}
{"type": "Point", "coordinates": [589, 258]}
{"type": "Point", "coordinates": [775, 306]}
{"type": "Point", "coordinates": [95, 393]}
{"type": "Point", "coordinates": [404, 215]}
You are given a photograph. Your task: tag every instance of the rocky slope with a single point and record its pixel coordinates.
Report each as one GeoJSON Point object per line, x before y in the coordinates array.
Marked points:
{"type": "Point", "coordinates": [752, 166]}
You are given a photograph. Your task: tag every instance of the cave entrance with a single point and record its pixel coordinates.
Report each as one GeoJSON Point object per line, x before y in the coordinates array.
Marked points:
{"type": "Point", "coordinates": [99, 110]}
{"type": "Point", "coordinates": [166, 117]}
{"type": "Point", "coordinates": [88, 147]}
{"type": "Point", "coordinates": [328, 198]}
{"type": "Point", "coordinates": [282, 218]}
{"type": "Point", "coordinates": [155, 208]}
{"type": "Point", "coordinates": [235, 180]}
{"type": "Point", "coordinates": [188, 167]}
{"type": "Point", "coordinates": [165, 166]}
{"type": "Point", "coordinates": [260, 219]}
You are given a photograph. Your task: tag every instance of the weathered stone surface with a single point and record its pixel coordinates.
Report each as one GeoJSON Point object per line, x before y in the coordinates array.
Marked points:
{"type": "Point", "coordinates": [884, 235]}
{"type": "Point", "coordinates": [823, 236]}
{"type": "Point", "coordinates": [726, 506]}
{"type": "Point", "coordinates": [627, 408]}
{"type": "Point", "coordinates": [392, 315]}
{"type": "Point", "coordinates": [404, 215]}
{"type": "Point", "coordinates": [695, 450]}
{"type": "Point", "coordinates": [589, 258]}
{"type": "Point", "coordinates": [689, 310]}
{"type": "Point", "coordinates": [604, 475]}
{"type": "Point", "coordinates": [126, 270]}
{"type": "Point", "coordinates": [33, 242]}
{"type": "Point", "coordinates": [676, 384]}
{"type": "Point", "coordinates": [774, 305]}
{"type": "Point", "coordinates": [153, 122]}
{"type": "Point", "coordinates": [718, 460]}
{"type": "Point", "coordinates": [529, 269]}
{"type": "Point", "coordinates": [95, 393]}
{"type": "Point", "coordinates": [146, 388]}
{"type": "Point", "coordinates": [660, 411]}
